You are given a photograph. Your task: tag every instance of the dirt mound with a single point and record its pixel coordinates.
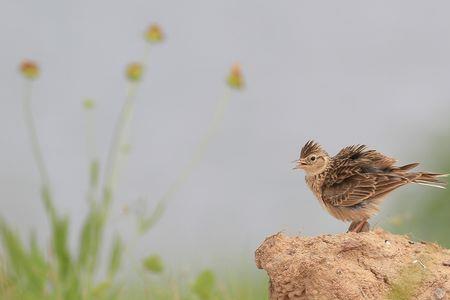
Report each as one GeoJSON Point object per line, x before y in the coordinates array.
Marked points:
{"type": "Point", "coordinates": [371, 265]}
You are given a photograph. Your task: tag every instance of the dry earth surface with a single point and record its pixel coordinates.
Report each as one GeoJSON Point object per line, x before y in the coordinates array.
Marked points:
{"type": "Point", "coordinates": [370, 265]}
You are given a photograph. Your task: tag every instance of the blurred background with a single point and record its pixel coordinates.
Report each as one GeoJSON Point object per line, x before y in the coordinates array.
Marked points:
{"type": "Point", "coordinates": [346, 72]}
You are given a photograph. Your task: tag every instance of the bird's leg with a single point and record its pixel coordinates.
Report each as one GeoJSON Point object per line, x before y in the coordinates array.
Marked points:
{"type": "Point", "coordinates": [359, 226]}
{"type": "Point", "coordinates": [365, 227]}
{"type": "Point", "coordinates": [352, 226]}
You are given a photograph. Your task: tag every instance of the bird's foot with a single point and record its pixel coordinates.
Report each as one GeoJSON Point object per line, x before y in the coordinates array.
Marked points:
{"type": "Point", "coordinates": [359, 226]}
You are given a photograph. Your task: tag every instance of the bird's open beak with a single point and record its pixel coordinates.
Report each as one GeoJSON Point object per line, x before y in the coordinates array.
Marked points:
{"type": "Point", "coordinates": [300, 163]}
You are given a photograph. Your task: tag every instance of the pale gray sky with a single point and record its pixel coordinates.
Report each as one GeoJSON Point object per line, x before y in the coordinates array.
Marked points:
{"type": "Point", "coordinates": [341, 72]}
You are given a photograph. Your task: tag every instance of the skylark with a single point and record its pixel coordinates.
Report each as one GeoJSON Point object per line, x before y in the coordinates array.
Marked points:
{"type": "Point", "coordinates": [352, 184]}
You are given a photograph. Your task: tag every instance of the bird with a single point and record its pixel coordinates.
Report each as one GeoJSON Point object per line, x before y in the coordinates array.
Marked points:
{"type": "Point", "coordinates": [352, 184]}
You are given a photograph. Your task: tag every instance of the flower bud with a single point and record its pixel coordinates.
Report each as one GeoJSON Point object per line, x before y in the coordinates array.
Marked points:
{"type": "Point", "coordinates": [134, 71]}
{"type": "Point", "coordinates": [88, 104]}
{"type": "Point", "coordinates": [29, 69]}
{"type": "Point", "coordinates": [235, 78]}
{"type": "Point", "coordinates": [153, 264]}
{"type": "Point", "coordinates": [154, 34]}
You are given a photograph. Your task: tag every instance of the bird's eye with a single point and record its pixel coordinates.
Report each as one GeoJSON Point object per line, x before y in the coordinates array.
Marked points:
{"type": "Point", "coordinates": [312, 158]}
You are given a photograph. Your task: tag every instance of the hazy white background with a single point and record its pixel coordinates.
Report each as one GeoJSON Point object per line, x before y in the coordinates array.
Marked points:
{"type": "Point", "coordinates": [340, 72]}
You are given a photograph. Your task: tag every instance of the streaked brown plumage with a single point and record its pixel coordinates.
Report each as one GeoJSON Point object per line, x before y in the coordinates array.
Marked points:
{"type": "Point", "coordinates": [352, 184]}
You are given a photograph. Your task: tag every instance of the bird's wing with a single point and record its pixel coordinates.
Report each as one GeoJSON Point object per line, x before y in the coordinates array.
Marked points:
{"type": "Point", "coordinates": [360, 187]}
{"type": "Point", "coordinates": [357, 174]}
{"type": "Point", "coordinates": [359, 155]}
{"type": "Point", "coordinates": [357, 159]}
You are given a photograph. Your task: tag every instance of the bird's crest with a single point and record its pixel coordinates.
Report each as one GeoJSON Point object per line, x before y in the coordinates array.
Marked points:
{"type": "Point", "coordinates": [309, 148]}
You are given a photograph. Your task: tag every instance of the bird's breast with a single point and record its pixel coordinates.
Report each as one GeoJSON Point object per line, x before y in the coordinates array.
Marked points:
{"type": "Point", "coordinates": [315, 185]}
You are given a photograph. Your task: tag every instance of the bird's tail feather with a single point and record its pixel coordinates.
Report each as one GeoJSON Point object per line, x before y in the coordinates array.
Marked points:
{"type": "Point", "coordinates": [430, 179]}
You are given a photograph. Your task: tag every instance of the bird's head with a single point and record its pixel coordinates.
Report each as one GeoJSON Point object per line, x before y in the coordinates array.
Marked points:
{"type": "Point", "coordinates": [313, 159]}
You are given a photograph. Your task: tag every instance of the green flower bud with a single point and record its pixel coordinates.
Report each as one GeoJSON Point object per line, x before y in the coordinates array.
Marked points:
{"type": "Point", "coordinates": [88, 104]}
{"type": "Point", "coordinates": [153, 263]}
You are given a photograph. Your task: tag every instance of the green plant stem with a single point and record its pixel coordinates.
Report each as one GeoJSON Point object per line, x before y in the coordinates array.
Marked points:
{"type": "Point", "coordinates": [35, 146]}
{"type": "Point", "coordinates": [200, 150]}
{"type": "Point", "coordinates": [90, 134]}
{"type": "Point", "coordinates": [94, 164]}
{"type": "Point", "coordinates": [36, 149]}
{"type": "Point", "coordinates": [117, 143]}
{"type": "Point", "coordinates": [94, 167]}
